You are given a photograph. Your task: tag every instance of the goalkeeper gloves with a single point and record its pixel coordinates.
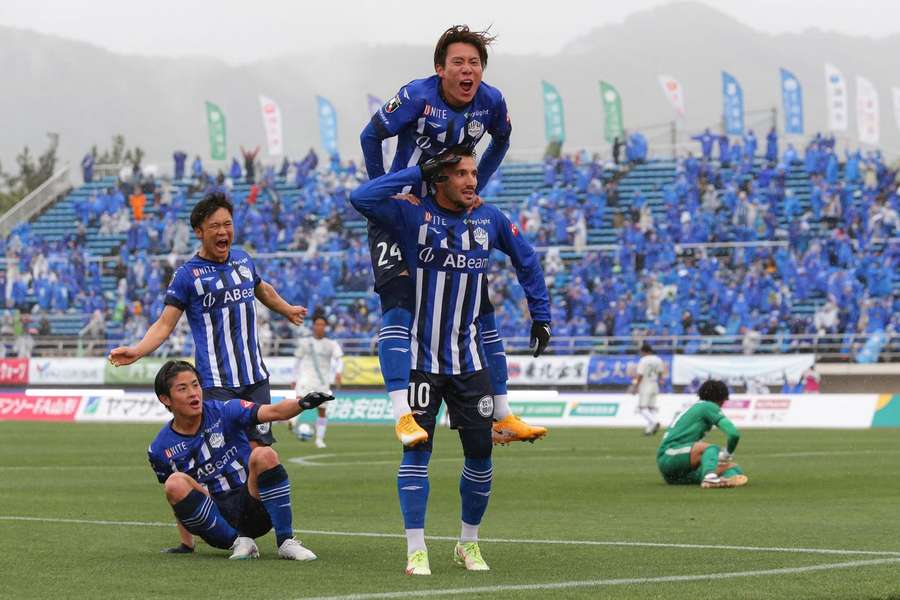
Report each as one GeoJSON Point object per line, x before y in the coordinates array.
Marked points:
{"type": "Point", "coordinates": [431, 169]}
{"type": "Point", "coordinates": [540, 337]}
{"type": "Point", "coordinates": [313, 400]}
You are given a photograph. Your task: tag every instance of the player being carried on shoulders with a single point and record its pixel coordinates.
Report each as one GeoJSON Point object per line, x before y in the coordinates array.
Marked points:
{"type": "Point", "coordinates": [684, 459]}
{"type": "Point", "coordinates": [448, 247]}
{"type": "Point", "coordinates": [220, 488]}
{"type": "Point", "coordinates": [428, 116]}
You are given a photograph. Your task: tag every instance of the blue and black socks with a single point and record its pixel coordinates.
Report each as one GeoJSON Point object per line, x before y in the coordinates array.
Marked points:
{"type": "Point", "coordinates": [275, 494]}
{"type": "Point", "coordinates": [200, 515]}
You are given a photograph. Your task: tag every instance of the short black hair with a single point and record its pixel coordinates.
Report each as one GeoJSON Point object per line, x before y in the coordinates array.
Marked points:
{"type": "Point", "coordinates": [162, 385]}
{"type": "Point", "coordinates": [320, 315]}
{"type": "Point", "coordinates": [713, 390]}
{"type": "Point", "coordinates": [462, 34]}
{"type": "Point", "coordinates": [646, 347]}
{"type": "Point", "coordinates": [207, 206]}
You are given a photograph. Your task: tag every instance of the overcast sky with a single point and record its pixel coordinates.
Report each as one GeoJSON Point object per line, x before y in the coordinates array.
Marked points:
{"type": "Point", "coordinates": [245, 30]}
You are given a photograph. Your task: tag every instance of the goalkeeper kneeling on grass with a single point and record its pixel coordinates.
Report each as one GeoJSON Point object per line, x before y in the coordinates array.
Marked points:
{"type": "Point", "coordinates": [683, 458]}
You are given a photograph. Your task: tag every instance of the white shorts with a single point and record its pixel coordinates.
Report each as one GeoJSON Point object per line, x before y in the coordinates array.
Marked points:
{"type": "Point", "coordinates": [648, 399]}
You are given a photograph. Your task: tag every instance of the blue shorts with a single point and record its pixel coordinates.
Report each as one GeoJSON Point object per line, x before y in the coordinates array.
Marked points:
{"type": "Point", "coordinates": [258, 393]}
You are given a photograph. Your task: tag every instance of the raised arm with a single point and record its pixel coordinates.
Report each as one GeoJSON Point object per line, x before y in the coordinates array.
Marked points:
{"type": "Point", "coordinates": [397, 113]}
{"type": "Point", "coordinates": [153, 339]}
{"type": "Point", "coordinates": [496, 150]}
{"type": "Point", "coordinates": [374, 199]}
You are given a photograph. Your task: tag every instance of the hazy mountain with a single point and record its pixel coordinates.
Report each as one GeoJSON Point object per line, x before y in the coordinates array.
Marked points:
{"type": "Point", "coordinates": [87, 94]}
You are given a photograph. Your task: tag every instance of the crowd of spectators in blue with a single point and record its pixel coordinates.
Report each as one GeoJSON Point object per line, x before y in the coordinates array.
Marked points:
{"type": "Point", "coordinates": [833, 228]}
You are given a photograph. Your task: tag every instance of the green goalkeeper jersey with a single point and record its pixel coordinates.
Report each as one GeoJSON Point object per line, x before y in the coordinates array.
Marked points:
{"type": "Point", "coordinates": [694, 423]}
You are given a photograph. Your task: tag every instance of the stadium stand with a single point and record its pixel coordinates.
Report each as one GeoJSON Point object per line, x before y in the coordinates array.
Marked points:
{"type": "Point", "coordinates": [696, 255]}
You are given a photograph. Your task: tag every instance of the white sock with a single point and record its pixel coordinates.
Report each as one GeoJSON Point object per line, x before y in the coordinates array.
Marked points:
{"type": "Point", "coordinates": [321, 424]}
{"type": "Point", "coordinates": [399, 403]}
{"type": "Point", "coordinates": [645, 412]}
{"type": "Point", "coordinates": [469, 533]}
{"type": "Point", "coordinates": [501, 406]}
{"type": "Point", "coordinates": [415, 540]}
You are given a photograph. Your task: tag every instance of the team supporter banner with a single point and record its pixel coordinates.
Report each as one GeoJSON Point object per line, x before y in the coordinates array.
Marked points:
{"type": "Point", "coordinates": [737, 369]}
{"type": "Point", "coordinates": [617, 370]}
{"type": "Point", "coordinates": [554, 122]}
{"type": "Point", "coordinates": [867, 114]}
{"type": "Point", "coordinates": [612, 111]}
{"type": "Point", "coordinates": [13, 371]}
{"type": "Point", "coordinates": [76, 371]}
{"type": "Point", "coordinates": [19, 407]}
{"type": "Point", "coordinates": [792, 100]}
{"type": "Point", "coordinates": [732, 105]}
{"type": "Point", "coordinates": [271, 116]}
{"type": "Point", "coordinates": [127, 408]}
{"type": "Point", "coordinates": [895, 92]}
{"type": "Point", "coordinates": [327, 125]}
{"type": "Point", "coordinates": [215, 121]}
{"type": "Point", "coordinates": [674, 93]}
{"type": "Point", "coordinates": [548, 370]}
{"type": "Point", "coordinates": [142, 372]}
{"type": "Point", "coordinates": [836, 97]}
{"type": "Point", "coordinates": [373, 104]}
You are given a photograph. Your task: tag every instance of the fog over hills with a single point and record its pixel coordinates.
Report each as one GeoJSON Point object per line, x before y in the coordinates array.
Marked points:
{"type": "Point", "coordinates": [87, 94]}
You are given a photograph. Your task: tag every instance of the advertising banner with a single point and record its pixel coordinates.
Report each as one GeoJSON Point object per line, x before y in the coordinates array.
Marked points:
{"type": "Point", "coordinates": [674, 93]}
{"type": "Point", "coordinates": [738, 369]}
{"type": "Point", "coordinates": [732, 105]}
{"type": "Point", "coordinates": [13, 371]}
{"type": "Point", "coordinates": [554, 122]}
{"type": "Point", "coordinates": [142, 372]}
{"type": "Point", "coordinates": [612, 111]}
{"type": "Point", "coordinates": [327, 125]}
{"type": "Point", "coordinates": [547, 370]}
{"type": "Point", "coordinates": [362, 370]}
{"type": "Point", "coordinates": [868, 120]}
{"type": "Point", "coordinates": [618, 370]}
{"type": "Point", "coordinates": [19, 407]}
{"type": "Point", "coordinates": [215, 121]}
{"type": "Point", "coordinates": [73, 371]}
{"type": "Point", "coordinates": [127, 408]}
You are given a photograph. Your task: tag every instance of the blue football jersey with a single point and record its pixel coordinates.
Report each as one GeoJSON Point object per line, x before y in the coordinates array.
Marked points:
{"type": "Point", "coordinates": [448, 254]}
{"type": "Point", "coordinates": [217, 456]}
{"type": "Point", "coordinates": [425, 125]}
{"type": "Point", "coordinates": [219, 301]}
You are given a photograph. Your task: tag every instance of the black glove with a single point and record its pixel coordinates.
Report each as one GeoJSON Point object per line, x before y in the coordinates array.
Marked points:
{"type": "Point", "coordinates": [313, 400]}
{"type": "Point", "coordinates": [540, 337]}
{"type": "Point", "coordinates": [180, 549]}
{"type": "Point", "coordinates": [432, 168]}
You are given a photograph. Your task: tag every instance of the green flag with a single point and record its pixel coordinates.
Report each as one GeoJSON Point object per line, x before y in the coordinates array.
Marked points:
{"type": "Point", "coordinates": [612, 110]}
{"type": "Point", "coordinates": [215, 118]}
{"type": "Point", "coordinates": [554, 124]}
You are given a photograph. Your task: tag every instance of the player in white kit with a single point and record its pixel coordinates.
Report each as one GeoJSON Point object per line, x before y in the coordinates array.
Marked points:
{"type": "Point", "coordinates": [650, 372]}
{"type": "Point", "coordinates": [319, 365]}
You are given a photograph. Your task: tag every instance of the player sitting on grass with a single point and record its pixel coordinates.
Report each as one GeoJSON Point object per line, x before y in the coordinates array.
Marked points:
{"type": "Point", "coordinates": [218, 487]}
{"type": "Point", "coordinates": [683, 458]}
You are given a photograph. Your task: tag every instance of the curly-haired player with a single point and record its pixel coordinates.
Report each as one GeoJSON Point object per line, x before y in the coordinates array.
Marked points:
{"type": "Point", "coordinates": [683, 458]}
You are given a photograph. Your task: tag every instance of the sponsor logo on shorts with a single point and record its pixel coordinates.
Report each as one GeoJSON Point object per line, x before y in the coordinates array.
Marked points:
{"type": "Point", "coordinates": [486, 406]}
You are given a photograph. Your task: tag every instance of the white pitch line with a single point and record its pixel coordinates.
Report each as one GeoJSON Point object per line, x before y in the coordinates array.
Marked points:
{"type": "Point", "coordinates": [449, 538]}
{"type": "Point", "coordinates": [563, 585]}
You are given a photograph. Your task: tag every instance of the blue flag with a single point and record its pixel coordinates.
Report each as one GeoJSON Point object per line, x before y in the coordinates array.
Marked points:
{"type": "Point", "coordinates": [733, 105]}
{"type": "Point", "coordinates": [327, 125]}
{"type": "Point", "coordinates": [792, 100]}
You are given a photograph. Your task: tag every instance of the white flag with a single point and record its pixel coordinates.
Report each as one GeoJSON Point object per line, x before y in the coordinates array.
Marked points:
{"type": "Point", "coordinates": [896, 93]}
{"type": "Point", "coordinates": [836, 96]}
{"type": "Point", "coordinates": [867, 111]}
{"type": "Point", "coordinates": [674, 92]}
{"type": "Point", "coordinates": [271, 116]}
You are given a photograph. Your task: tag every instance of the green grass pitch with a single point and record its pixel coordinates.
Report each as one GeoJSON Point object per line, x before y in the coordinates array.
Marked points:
{"type": "Point", "coordinates": [582, 514]}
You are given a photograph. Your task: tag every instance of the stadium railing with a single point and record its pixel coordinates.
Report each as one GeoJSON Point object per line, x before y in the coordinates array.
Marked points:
{"type": "Point", "coordinates": [32, 204]}
{"type": "Point", "coordinates": [827, 348]}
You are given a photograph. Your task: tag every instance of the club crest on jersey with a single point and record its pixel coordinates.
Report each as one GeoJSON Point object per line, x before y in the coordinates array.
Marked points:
{"type": "Point", "coordinates": [475, 129]}
{"type": "Point", "coordinates": [486, 406]}
{"type": "Point", "coordinates": [481, 236]}
{"type": "Point", "coordinates": [216, 440]}
{"type": "Point", "coordinates": [392, 104]}
{"type": "Point", "coordinates": [244, 270]}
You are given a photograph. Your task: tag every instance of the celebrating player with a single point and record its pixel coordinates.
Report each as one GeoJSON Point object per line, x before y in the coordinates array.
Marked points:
{"type": "Point", "coordinates": [220, 489]}
{"type": "Point", "coordinates": [683, 458]}
{"type": "Point", "coordinates": [428, 116]}
{"type": "Point", "coordinates": [448, 246]}
{"type": "Point", "coordinates": [319, 365]}
{"type": "Point", "coordinates": [650, 372]}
